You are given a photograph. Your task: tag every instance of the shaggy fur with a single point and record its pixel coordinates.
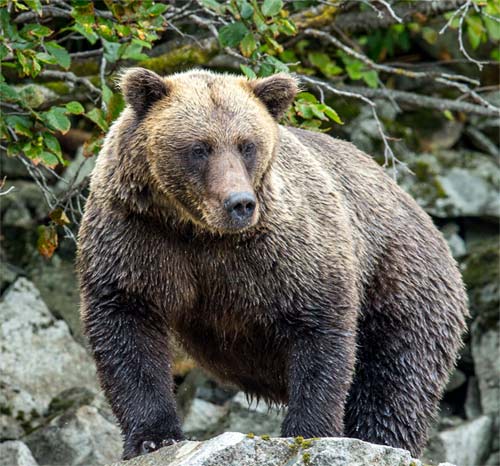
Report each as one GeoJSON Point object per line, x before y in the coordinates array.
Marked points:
{"type": "Point", "coordinates": [337, 297]}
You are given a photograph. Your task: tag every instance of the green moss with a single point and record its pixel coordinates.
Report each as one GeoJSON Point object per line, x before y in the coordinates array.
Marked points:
{"type": "Point", "coordinates": [250, 435]}
{"type": "Point", "coordinates": [265, 437]}
{"type": "Point", "coordinates": [59, 87]}
{"type": "Point", "coordinates": [181, 58]}
{"type": "Point", "coordinates": [6, 410]}
{"type": "Point", "coordinates": [306, 457]}
{"type": "Point", "coordinates": [85, 67]}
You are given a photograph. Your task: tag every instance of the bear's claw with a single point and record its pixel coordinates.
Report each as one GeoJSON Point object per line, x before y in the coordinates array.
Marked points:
{"type": "Point", "coordinates": [148, 446]}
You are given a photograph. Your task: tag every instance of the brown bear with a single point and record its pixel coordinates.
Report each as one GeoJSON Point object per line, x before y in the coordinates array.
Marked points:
{"type": "Point", "coordinates": [285, 261]}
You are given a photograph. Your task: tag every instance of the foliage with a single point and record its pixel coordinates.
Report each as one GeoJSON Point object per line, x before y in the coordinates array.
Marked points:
{"type": "Point", "coordinates": [59, 60]}
{"type": "Point", "coordinates": [28, 48]}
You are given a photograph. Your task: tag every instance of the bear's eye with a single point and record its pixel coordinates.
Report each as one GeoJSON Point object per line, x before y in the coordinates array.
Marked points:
{"type": "Point", "coordinates": [248, 149]}
{"type": "Point", "coordinates": [200, 151]}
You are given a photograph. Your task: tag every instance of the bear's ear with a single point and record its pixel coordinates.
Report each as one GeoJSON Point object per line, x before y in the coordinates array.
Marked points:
{"type": "Point", "coordinates": [276, 92]}
{"type": "Point", "coordinates": [142, 88]}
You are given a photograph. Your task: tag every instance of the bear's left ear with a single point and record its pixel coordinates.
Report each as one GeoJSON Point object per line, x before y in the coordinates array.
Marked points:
{"type": "Point", "coordinates": [276, 92]}
{"type": "Point", "coordinates": [142, 88]}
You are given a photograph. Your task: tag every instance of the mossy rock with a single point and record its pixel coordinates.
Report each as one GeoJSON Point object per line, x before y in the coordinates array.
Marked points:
{"type": "Point", "coordinates": [481, 275]}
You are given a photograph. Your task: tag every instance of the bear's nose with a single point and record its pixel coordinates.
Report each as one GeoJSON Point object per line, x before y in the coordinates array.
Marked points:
{"type": "Point", "coordinates": [240, 206]}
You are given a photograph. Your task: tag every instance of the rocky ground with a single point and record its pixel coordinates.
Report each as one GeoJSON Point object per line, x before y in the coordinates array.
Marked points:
{"type": "Point", "coordinates": [51, 409]}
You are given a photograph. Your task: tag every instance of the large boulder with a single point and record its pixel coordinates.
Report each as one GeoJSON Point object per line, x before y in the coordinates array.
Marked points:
{"type": "Point", "coordinates": [58, 285]}
{"type": "Point", "coordinates": [467, 444]}
{"type": "Point", "coordinates": [482, 277]}
{"type": "Point", "coordinates": [245, 415]}
{"type": "Point", "coordinates": [454, 184]}
{"type": "Point", "coordinates": [79, 437]}
{"type": "Point", "coordinates": [38, 358]}
{"type": "Point", "coordinates": [15, 453]}
{"type": "Point", "coordinates": [235, 449]}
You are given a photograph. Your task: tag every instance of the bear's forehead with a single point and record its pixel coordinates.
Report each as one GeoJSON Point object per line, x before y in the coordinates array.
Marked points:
{"type": "Point", "coordinates": [210, 90]}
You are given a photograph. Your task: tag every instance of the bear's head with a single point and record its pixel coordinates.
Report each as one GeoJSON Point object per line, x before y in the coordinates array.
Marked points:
{"type": "Point", "coordinates": [210, 140]}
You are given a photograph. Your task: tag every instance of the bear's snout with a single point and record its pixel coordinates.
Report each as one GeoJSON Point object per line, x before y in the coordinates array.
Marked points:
{"type": "Point", "coordinates": [240, 207]}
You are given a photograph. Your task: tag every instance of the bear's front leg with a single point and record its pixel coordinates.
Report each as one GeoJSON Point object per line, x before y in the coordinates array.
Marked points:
{"type": "Point", "coordinates": [129, 341]}
{"type": "Point", "coordinates": [319, 377]}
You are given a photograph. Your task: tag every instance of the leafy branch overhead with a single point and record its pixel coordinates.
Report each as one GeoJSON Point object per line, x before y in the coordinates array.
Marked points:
{"type": "Point", "coordinates": [59, 61]}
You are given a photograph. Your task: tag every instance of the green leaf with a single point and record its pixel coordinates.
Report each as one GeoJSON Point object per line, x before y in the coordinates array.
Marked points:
{"type": "Point", "coordinates": [246, 10]}
{"type": "Point", "coordinates": [8, 93]}
{"type": "Point", "coordinates": [304, 109]}
{"type": "Point", "coordinates": [20, 124]}
{"type": "Point", "coordinates": [248, 45]}
{"type": "Point", "coordinates": [34, 5]}
{"type": "Point", "coordinates": [134, 52]}
{"type": "Point", "coordinates": [107, 93]}
{"type": "Point", "coordinates": [232, 34]}
{"type": "Point", "coordinates": [248, 72]}
{"type": "Point", "coordinates": [75, 107]}
{"type": "Point", "coordinates": [4, 51]}
{"type": "Point", "coordinates": [60, 54]}
{"type": "Point", "coordinates": [307, 97]}
{"type": "Point", "coordinates": [332, 114]}
{"type": "Point", "coordinates": [493, 28]}
{"type": "Point", "coordinates": [157, 9]}
{"type": "Point", "coordinates": [86, 31]}
{"type": "Point", "coordinates": [56, 118]}
{"type": "Point", "coordinates": [97, 117]}
{"type": "Point", "coordinates": [46, 58]}
{"type": "Point", "coordinates": [47, 240]}
{"type": "Point", "coordinates": [213, 5]}
{"type": "Point", "coordinates": [475, 31]}
{"type": "Point", "coordinates": [354, 69]}
{"type": "Point", "coordinates": [52, 144]}
{"type": "Point", "coordinates": [49, 159]}
{"type": "Point", "coordinates": [371, 78]}
{"type": "Point", "coordinates": [448, 115]}
{"type": "Point", "coordinates": [271, 7]}
{"type": "Point", "coordinates": [35, 30]}
{"type": "Point", "coordinates": [430, 35]}
{"type": "Point", "coordinates": [111, 50]}
{"type": "Point", "coordinates": [323, 62]}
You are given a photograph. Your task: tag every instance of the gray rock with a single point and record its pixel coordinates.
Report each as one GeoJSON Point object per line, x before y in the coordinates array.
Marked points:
{"type": "Point", "coordinates": [12, 167]}
{"type": "Point", "coordinates": [23, 205]}
{"type": "Point", "coordinates": [245, 416]}
{"type": "Point", "coordinates": [454, 184]}
{"type": "Point", "coordinates": [485, 351]}
{"type": "Point", "coordinates": [80, 437]}
{"type": "Point", "coordinates": [57, 283]}
{"type": "Point", "coordinates": [79, 169]}
{"type": "Point", "coordinates": [38, 356]}
{"type": "Point", "coordinates": [203, 418]}
{"type": "Point", "coordinates": [482, 278]}
{"type": "Point", "coordinates": [468, 194]}
{"type": "Point", "coordinates": [493, 460]}
{"type": "Point", "coordinates": [456, 380]}
{"type": "Point", "coordinates": [15, 453]}
{"type": "Point", "coordinates": [235, 449]}
{"type": "Point", "coordinates": [472, 400]}
{"type": "Point", "coordinates": [455, 242]}
{"type": "Point", "coordinates": [464, 445]}
{"type": "Point", "coordinates": [198, 384]}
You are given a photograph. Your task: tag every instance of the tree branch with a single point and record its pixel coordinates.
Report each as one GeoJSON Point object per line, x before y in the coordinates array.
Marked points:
{"type": "Point", "coordinates": [369, 20]}
{"type": "Point", "coordinates": [409, 98]}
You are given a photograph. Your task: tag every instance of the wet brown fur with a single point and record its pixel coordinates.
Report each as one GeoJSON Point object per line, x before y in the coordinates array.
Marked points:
{"type": "Point", "coordinates": [339, 298]}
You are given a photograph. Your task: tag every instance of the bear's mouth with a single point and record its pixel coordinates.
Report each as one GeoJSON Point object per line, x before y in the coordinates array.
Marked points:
{"type": "Point", "coordinates": [216, 216]}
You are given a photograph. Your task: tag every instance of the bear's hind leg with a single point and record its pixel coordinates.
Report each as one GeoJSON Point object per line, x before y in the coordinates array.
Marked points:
{"type": "Point", "coordinates": [408, 339]}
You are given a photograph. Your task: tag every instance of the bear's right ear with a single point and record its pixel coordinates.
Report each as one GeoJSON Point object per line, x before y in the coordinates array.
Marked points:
{"type": "Point", "coordinates": [142, 88]}
{"type": "Point", "coordinates": [276, 92]}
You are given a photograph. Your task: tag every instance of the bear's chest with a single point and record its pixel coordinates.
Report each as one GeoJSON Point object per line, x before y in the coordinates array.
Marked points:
{"type": "Point", "coordinates": [248, 297]}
